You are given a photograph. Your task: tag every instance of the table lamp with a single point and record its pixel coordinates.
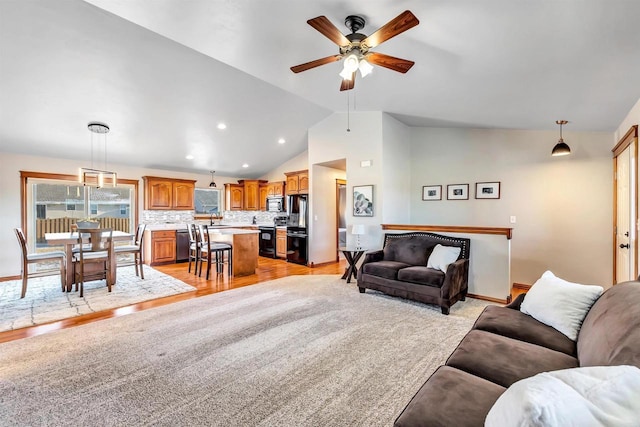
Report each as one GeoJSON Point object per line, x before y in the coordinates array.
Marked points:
{"type": "Point", "coordinates": [358, 229]}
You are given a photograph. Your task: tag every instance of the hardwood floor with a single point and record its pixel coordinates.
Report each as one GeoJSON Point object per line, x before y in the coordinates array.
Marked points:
{"type": "Point", "coordinates": [268, 269]}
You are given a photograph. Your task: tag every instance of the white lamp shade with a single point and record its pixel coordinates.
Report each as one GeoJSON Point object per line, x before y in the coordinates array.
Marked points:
{"type": "Point", "coordinates": [357, 229]}
{"type": "Point", "coordinates": [351, 63]}
{"type": "Point", "coordinates": [365, 68]}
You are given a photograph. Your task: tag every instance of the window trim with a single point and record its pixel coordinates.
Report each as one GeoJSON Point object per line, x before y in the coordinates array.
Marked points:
{"type": "Point", "coordinates": [25, 175]}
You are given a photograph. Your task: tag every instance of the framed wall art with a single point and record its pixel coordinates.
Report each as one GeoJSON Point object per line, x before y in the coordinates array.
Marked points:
{"type": "Point", "coordinates": [363, 200]}
{"type": "Point", "coordinates": [432, 192]}
{"type": "Point", "coordinates": [487, 190]}
{"type": "Point", "coordinates": [458, 192]}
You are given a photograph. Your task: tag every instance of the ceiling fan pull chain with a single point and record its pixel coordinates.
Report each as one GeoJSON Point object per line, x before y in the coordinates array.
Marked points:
{"type": "Point", "coordinates": [348, 125]}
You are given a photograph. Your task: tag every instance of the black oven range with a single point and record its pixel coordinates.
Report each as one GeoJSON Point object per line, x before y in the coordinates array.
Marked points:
{"type": "Point", "coordinates": [267, 241]}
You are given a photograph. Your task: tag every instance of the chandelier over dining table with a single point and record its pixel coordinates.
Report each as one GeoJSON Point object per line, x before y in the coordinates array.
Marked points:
{"type": "Point", "coordinates": [93, 176]}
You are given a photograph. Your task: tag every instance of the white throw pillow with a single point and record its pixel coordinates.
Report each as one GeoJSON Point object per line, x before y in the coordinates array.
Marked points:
{"type": "Point", "coordinates": [593, 396]}
{"type": "Point", "coordinates": [442, 256]}
{"type": "Point", "coordinates": [560, 304]}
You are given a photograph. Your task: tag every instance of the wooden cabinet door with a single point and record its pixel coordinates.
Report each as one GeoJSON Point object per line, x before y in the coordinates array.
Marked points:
{"type": "Point", "coordinates": [159, 195]}
{"type": "Point", "coordinates": [292, 184]}
{"type": "Point", "coordinates": [281, 243]}
{"type": "Point", "coordinates": [251, 196]}
{"type": "Point", "coordinates": [278, 188]}
{"type": "Point", "coordinates": [264, 192]}
{"type": "Point", "coordinates": [237, 198]}
{"type": "Point", "coordinates": [270, 189]}
{"type": "Point", "coordinates": [303, 182]}
{"type": "Point", "coordinates": [183, 195]}
{"type": "Point", "coordinates": [163, 247]}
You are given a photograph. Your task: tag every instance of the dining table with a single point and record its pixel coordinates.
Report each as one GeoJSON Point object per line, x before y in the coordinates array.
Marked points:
{"type": "Point", "coordinates": [70, 239]}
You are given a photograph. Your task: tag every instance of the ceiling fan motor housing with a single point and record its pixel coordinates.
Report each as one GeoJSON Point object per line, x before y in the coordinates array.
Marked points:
{"type": "Point", "coordinates": [354, 23]}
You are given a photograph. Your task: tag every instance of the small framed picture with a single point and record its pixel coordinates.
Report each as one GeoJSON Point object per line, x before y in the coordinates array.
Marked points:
{"type": "Point", "coordinates": [487, 190]}
{"type": "Point", "coordinates": [458, 192]}
{"type": "Point", "coordinates": [363, 200]}
{"type": "Point", "coordinates": [432, 192]}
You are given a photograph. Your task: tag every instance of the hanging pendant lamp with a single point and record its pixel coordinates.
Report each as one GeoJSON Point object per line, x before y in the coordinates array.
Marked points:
{"type": "Point", "coordinates": [212, 184]}
{"type": "Point", "coordinates": [92, 176]}
{"type": "Point", "coordinates": [561, 148]}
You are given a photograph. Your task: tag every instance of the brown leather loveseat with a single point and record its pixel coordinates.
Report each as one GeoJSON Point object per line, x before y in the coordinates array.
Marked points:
{"type": "Point", "coordinates": [400, 269]}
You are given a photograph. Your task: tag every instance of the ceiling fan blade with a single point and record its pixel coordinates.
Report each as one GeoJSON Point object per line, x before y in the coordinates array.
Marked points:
{"type": "Point", "coordinates": [390, 62]}
{"type": "Point", "coordinates": [397, 25]}
{"type": "Point", "coordinates": [322, 24]}
{"type": "Point", "coordinates": [318, 62]}
{"type": "Point", "coordinates": [348, 84]}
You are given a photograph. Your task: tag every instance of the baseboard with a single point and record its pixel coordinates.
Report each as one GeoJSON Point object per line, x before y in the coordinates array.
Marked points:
{"type": "Point", "coordinates": [521, 286]}
{"type": "Point", "coordinates": [6, 279]}
{"type": "Point", "coordinates": [484, 298]}
{"type": "Point", "coordinates": [322, 264]}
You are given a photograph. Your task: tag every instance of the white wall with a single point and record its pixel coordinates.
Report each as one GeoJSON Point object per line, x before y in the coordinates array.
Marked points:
{"type": "Point", "coordinates": [10, 167]}
{"type": "Point", "coordinates": [563, 205]}
{"type": "Point", "coordinates": [396, 157]}
{"type": "Point", "coordinates": [633, 118]}
{"type": "Point", "coordinates": [298, 163]}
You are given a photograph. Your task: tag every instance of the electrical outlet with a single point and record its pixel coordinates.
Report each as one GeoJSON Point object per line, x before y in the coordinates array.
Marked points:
{"type": "Point", "coordinates": [512, 219]}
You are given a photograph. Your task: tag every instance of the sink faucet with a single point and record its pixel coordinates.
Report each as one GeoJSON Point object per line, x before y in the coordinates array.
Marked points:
{"type": "Point", "coordinates": [211, 219]}
{"type": "Point", "coordinates": [254, 220]}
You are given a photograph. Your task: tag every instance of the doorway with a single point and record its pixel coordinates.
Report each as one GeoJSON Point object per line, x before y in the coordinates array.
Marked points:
{"type": "Point", "coordinates": [625, 217]}
{"type": "Point", "coordinates": [341, 214]}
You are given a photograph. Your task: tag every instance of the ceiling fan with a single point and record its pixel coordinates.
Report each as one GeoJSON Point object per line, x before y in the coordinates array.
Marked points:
{"type": "Point", "coordinates": [355, 47]}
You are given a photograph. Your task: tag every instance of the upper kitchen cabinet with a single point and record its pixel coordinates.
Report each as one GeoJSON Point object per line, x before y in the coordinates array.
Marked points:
{"type": "Point", "coordinates": [264, 192]}
{"type": "Point", "coordinates": [168, 193]}
{"type": "Point", "coordinates": [252, 193]}
{"type": "Point", "coordinates": [275, 188]}
{"type": "Point", "coordinates": [234, 195]}
{"type": "Point", "coordinates": [298, 182]}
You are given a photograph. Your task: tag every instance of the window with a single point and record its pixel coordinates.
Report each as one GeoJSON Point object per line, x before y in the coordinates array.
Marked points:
{"type": "Point", "coordinates": [208, 201]}
{"type": "Point", "coordinates": [52, 203]}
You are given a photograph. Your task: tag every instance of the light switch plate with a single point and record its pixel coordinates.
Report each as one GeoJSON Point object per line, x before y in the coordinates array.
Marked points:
{"type": "Point", "coordinates": [512, 219]}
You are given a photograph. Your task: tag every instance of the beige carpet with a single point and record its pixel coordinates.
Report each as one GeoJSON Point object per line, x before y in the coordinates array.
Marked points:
{"type": "Point", "coordinates": [45, 302]}
{"type": "Point", "coordinates": [297, 351]}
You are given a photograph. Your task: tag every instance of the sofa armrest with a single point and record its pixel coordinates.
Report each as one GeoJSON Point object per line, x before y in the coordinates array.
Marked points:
{"type": "Point", "coordinates": [515, 304]}
{"type": "Point", "coordinates": [372, 256]}
{"type": "Point", "coordinates": [456, 279]}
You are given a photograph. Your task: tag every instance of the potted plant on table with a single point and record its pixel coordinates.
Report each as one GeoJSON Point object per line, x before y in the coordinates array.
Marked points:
{"type": "Point", "coordinates": [86, 223]}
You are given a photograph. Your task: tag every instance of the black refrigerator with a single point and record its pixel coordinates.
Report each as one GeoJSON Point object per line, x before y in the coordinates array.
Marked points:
{"type": "Point", "coordinates": [297, 244]}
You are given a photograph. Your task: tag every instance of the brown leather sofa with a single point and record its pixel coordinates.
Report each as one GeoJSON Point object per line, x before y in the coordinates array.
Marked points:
{"type": "Point", "coordinates": [506, 345]}
{"type": "Point", "coordinates": [400, 269]}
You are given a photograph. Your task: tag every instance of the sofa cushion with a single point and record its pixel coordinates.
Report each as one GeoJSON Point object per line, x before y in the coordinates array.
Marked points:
{"type": "Point", "coordinates": [442, 256]}
{"type": "Point", "coordinates": [450, 398]}
{"type": "Point", "coordinates": [412, 250]}
{"type": "Point", "coordinates": [504, 360]}
{"type": "Point", "coordinates": [512, 323]}
{"type": "Point", "coordinates": [560, 304]}
{"type": "Point", "coordinates": [422, 276]}
{"type": "Point", "coordinates": [610, 333]}
{"type": "Point", "coordinates": [385, 269]}
{"type": "Point", "coordinates": [593, 396]}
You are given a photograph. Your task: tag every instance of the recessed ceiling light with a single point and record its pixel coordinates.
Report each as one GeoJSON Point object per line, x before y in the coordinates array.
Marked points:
{"type": "Point", "coordinates": [245, 165]}
{"type": "Point", "coordinates": [222, 126]}
{"type": "Point", "coordinates": [189, 157]}
{"type": "Point", "coordinates": [281, 141]}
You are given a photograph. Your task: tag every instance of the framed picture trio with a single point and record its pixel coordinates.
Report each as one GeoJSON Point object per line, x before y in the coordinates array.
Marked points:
{"type": "Point", "coordinates": [483, 190]}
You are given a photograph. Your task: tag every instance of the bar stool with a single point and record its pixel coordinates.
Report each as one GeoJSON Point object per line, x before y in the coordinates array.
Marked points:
{"type": "Point", "coordinates": [194, 247]}
{"type": "Point", "coordinates": [209, 248]}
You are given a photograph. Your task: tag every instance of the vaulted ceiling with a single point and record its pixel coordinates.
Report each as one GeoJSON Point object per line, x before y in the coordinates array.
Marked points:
{"type": "Point", "coordinates": [164, 73]}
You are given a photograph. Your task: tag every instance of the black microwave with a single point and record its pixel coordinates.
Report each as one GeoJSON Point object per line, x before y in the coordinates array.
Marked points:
{"type": "Point", "coordinates": [275, 204]}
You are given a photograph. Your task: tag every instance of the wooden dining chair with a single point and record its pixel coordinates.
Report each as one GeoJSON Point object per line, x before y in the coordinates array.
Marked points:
{"type": "Point", "coordinates": [136, 249]}
{"type": "Point", "coordinates": [93, 262]}
{"type": "Point", "coordinates": [39, 257]}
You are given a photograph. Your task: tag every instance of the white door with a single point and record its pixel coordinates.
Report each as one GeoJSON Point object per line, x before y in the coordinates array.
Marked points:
{"type": "Point", "coordinates": [624, 222]}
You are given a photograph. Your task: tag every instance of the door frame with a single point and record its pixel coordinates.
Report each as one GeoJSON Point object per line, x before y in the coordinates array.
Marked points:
{"type": "Point", "coordinates": [339, 182]}
{"type": "Point", "coordinates": [631, 137]}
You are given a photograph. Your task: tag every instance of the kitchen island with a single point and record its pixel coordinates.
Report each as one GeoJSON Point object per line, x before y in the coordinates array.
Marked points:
{"type": "Point", "coordinates": [244, 244]}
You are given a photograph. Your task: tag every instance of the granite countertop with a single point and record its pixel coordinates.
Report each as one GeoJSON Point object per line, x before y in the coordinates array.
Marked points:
{"type": "Point", "coordinates": [223, 225]}
{"type": "Point", "coordinates": [228, 231]}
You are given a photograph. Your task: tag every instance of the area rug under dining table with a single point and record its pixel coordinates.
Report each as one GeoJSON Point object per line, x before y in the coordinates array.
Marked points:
{"type": "Point", "coordinates": [45, 302]}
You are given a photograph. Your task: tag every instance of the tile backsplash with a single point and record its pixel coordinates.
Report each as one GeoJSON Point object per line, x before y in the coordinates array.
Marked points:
{"type": "Point", "coordinates": [164, 217]}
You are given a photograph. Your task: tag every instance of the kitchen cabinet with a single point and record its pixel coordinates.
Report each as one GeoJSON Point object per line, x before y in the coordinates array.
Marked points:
{"type": "Point", "coordinates": [281, 243]}
{"type": "Point", "coordinates": [168, 193]}
{"type": "Point", "coordinates": [275, 188]}
{"type": "Point", "coordinates": [297, 182]}
{"type": "Point", "coordinates": [160, 247]}
{"type": "Point", "coordinates": [252, 193]}
{"type": "Point", "coordinates": [234, 194]}
{"type": "Point", "coordinates": [264, 192]}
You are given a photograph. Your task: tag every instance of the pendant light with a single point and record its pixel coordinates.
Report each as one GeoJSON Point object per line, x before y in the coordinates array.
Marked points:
{"type": "Point", "coordinates": [212, 184]}
{"type": "Point", "coordinates": [92, 176]}
{"type": "Point", "coordinates": [561, 148]}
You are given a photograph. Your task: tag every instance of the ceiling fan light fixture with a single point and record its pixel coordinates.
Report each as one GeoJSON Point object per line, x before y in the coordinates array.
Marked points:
{"type": "Point", "coordinates": [345, 74]}
{"type": "Point", "coordinates": [561, 148]}
{"type": "Point", "coordinates": [365, 68]}
{"type": "Point", "coordinates": [351, 62]}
